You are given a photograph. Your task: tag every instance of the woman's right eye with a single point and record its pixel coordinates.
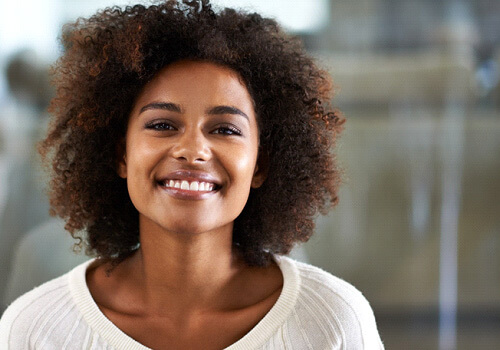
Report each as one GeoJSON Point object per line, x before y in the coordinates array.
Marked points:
{"type": "Point", "coordinates": [159, 126]}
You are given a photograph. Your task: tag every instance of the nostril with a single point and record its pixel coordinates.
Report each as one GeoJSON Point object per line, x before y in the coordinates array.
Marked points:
{"type": "Point", "coordinates": [192, 150]}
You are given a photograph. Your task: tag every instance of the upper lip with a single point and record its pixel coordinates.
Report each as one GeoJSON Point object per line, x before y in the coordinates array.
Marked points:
{"type": "Point", "coordinates": [190, 175]}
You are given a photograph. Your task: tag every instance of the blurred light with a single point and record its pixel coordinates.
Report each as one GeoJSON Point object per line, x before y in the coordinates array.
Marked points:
{"type": "Point", "coordinates": [29, 24]}
{"type": "Point", "coordinates": [487, 76]}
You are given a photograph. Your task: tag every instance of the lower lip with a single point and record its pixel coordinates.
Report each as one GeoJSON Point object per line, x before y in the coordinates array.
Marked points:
{"type": "Point", "coordinates": [186, 194]}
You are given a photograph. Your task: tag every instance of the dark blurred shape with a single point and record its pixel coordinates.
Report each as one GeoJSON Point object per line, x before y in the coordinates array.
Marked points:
{"type": "Point", "coordinates": [28, 80]}
{"type": "Point", "coordinates": [23, 203]}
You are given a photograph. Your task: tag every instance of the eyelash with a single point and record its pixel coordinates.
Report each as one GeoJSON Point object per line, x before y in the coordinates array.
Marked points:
{"type": "Point", "coordinates": [225, 129]}
{"type": "Point", "coordinates": [159, 126]}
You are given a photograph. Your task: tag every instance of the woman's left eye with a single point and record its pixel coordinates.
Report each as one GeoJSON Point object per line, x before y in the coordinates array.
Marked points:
{"type": "Point", "coordinates": [227, 130]}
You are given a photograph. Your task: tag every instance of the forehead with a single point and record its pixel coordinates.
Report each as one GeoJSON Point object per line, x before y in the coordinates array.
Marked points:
{"type": "Point", "coordinates": [207, 82]}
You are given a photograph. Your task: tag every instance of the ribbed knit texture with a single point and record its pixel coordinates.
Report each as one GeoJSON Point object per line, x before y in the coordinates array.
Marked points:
{"type": "Point", "coordinates": [314, 311]}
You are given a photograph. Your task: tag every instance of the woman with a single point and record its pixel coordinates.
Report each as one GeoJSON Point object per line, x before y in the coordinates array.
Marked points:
{"type": "Point", "coordinates": [194, 148]}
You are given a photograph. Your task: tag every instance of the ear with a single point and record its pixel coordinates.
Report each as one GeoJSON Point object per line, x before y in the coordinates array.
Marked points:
{"type": "Point", "coordinates": [261, 169]}
{"type": "Point", "coordinates": [121, 157]}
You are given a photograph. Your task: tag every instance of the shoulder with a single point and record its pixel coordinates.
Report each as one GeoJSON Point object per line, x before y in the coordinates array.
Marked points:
{"type": "Point", "coordinates": [335, 308]}
{"type": "Point", "coordinates": [323, 286]}
{"type": "Point", "coordinates": [39, 315]}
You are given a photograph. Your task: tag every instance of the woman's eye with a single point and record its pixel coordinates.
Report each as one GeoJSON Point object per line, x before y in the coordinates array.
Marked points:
{"type": "Point", "coordinates": [227, 130]}
{"type": "Point", "coordinates": [159, 126]}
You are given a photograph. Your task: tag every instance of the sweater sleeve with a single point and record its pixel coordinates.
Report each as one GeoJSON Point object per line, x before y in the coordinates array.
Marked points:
{"type": "Point", "coordinates": [364, 318]}
{"type": "Point", "coordinates": [5, 327]}
{"type": "Point", "coordinates": [22, 324]}
{"type": "Point", "coordinates": [14, 324]}
{"type": "Point", "coordinates": [338, 310]}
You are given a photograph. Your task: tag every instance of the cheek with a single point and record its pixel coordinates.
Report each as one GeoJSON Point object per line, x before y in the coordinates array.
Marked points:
{"type": "Point", "coordinates": [141, 156]}
{"type": "Point", "coordinates": [243, 165]}
{"type": "Point", "coordinates": [141, 160]}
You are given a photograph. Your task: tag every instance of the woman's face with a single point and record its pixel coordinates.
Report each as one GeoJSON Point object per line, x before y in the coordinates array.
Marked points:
{"type": "Point", "coordinates": [191, 148]}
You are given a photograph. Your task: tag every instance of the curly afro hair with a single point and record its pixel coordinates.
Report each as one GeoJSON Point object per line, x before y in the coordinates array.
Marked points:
{"type": "Point", "coordinates": [108, 59]}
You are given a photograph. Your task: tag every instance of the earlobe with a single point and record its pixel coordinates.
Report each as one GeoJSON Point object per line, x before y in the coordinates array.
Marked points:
{"type": "Point", "coordinates": [261, 170]}
{"type": "Point", "coordinates": [122, 168]}
{"type": "Point", "coordinates": [257, 180]}
{"type": "Point", "coordinates": [121, 155]}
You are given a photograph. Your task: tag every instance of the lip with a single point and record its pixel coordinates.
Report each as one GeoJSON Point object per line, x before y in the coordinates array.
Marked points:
{"type": "Point", "coordinates": [189, 175]}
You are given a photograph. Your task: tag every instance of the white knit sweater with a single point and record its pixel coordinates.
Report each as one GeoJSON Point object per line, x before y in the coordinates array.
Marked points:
{"type": "Point", "coordinates": [314, 311]}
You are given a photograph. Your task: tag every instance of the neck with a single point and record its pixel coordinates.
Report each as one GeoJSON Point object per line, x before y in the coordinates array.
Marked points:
{"type": "Point", "coordinates": [183, 271]}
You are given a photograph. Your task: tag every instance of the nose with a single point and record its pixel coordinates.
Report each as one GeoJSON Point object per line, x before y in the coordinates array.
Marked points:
{"type": "Point", "coordinates": [192, 147]}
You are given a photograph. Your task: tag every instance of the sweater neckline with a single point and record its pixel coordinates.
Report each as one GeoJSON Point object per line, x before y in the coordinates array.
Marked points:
{"type": "Point", "coordinates": [256, 337]}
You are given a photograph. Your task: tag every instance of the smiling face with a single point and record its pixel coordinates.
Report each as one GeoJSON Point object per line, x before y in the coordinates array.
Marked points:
{"type": "Point", "coordinates": [191, 149]}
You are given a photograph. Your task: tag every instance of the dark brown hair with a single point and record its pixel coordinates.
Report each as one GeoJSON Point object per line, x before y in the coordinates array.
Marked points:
{"type": "Point", "coordinates": [108, 59]}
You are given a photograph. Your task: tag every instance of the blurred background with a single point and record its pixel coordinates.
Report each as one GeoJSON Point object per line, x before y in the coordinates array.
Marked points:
{"type": "Point", "coordinates": [418, 224]}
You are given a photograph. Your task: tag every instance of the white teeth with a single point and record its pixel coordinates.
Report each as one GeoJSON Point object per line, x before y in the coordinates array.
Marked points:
{"type": "Point", "coordinates": [191, 186]}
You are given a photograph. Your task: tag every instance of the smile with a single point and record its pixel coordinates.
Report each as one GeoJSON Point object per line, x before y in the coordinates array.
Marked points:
{"type": "Point", "coordinates": [189, 185]}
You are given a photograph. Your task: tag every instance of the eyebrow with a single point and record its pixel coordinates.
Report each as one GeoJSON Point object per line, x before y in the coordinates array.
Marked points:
{"type": "Point", "coordinates": [217, 110]}
{"type": "Point", "coordinates": [227, 110]}
{"type": "Point", "coordinates": [162, 105]}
